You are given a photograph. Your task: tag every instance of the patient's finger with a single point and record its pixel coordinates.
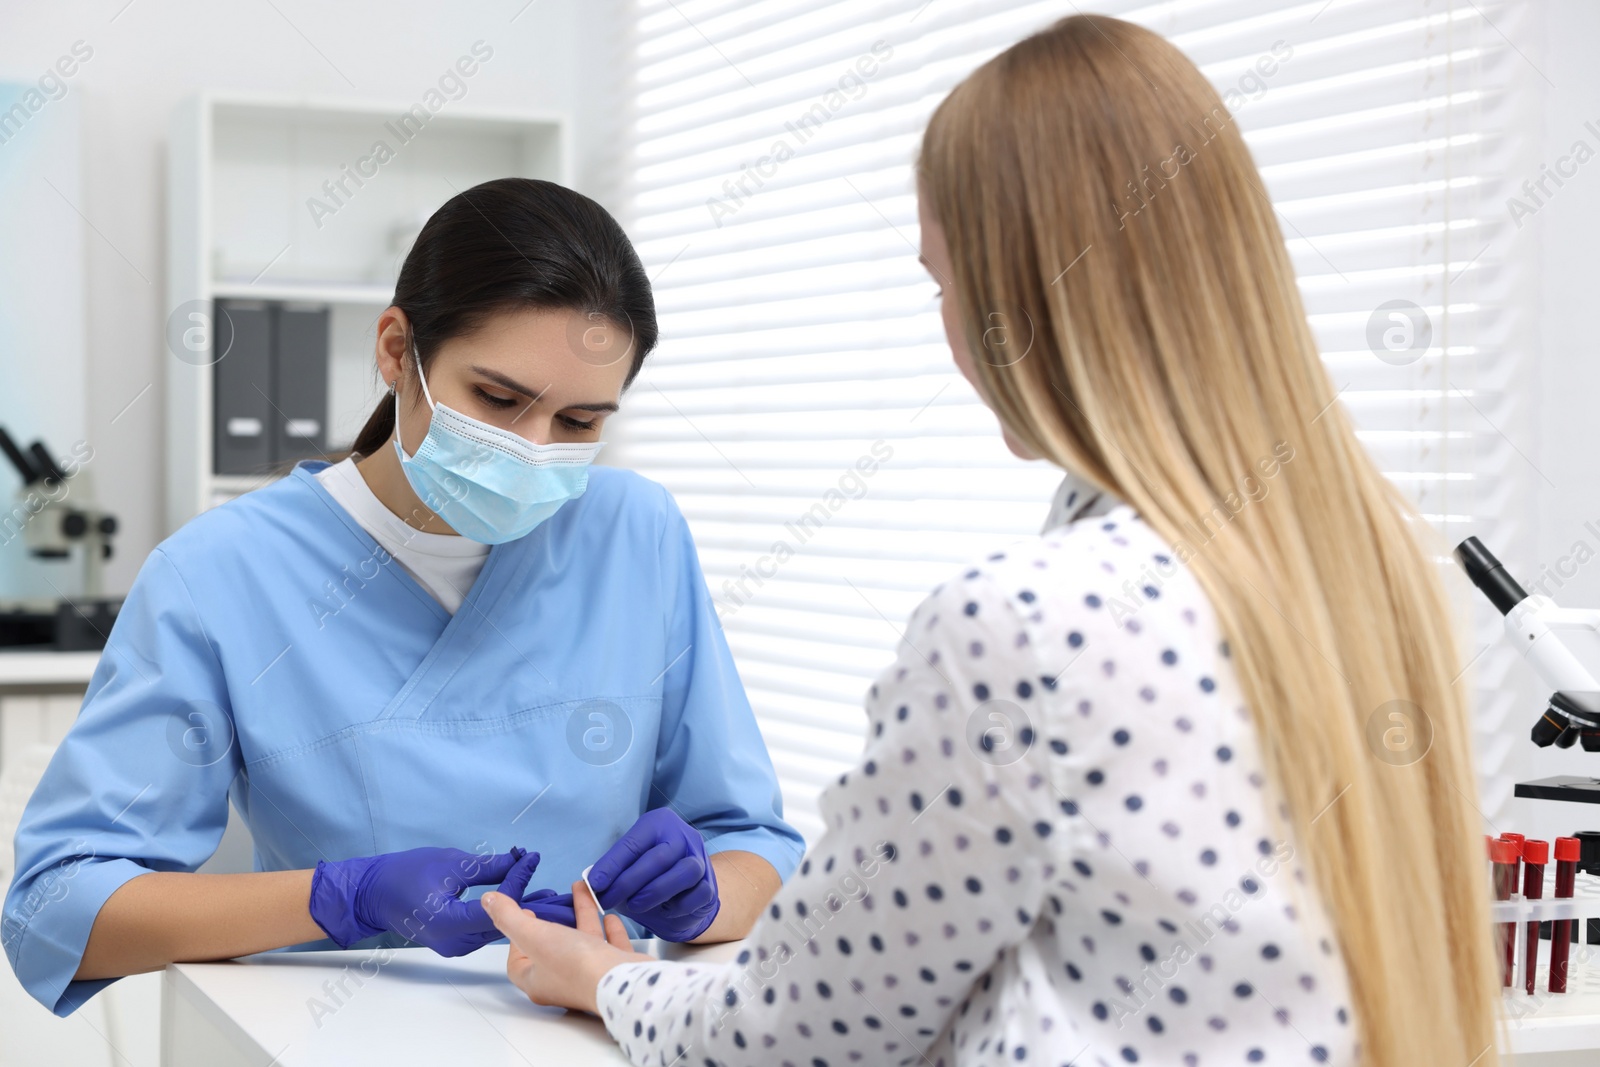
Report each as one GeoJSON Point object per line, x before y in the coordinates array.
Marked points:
{"type": "Point", "coordinates": [617, 934]}
{"type": "Point", "coordinates": [520, 926]}
{"type": "Point", "coordinates": [586, 910]}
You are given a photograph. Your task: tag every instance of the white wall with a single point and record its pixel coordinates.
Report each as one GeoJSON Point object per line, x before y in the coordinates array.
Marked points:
{"type": "Point", "coordinates": [1562, 243]}
{"type": "Point", "coordinates": [41, 312]}
{"type": "Point", "coordinates": [549, 55]}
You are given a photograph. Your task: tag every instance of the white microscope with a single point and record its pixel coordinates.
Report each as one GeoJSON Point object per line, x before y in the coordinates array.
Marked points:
{"type": "Point", "coordinates": [54, 515]}
{"type": "Point", "coordinates": [1550, 638]}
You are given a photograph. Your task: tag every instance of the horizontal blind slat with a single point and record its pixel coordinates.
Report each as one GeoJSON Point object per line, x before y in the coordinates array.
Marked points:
{"type": "Point", "coordinates": [799, 333]}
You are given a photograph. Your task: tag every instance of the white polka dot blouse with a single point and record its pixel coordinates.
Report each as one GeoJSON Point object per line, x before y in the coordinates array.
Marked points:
{"type": "Point", "coordinates": [1058, 848]}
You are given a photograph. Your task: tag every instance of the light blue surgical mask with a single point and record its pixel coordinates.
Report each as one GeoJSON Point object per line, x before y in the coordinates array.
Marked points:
{"type": "Point", "coordinates": [489, 484]}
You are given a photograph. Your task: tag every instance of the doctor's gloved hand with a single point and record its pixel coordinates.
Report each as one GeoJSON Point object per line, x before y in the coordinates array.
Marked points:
{"type": "Point", "coordinates": [417, 894]}
{"type": "Point", "coordinates": [659, 876]}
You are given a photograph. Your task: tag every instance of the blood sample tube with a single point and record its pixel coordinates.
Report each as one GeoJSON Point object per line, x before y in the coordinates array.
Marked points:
{"type": "Point", "coordinates": [1535, 854]}
{"type": "Point", "coordinates": [1516, 880]}
{"type": "Point", "coordinates": [1567, 851]}
{"type": "Point", "coordinates": [1503, 855]}
{"type": "Point", "coordinates": [1516, 839]}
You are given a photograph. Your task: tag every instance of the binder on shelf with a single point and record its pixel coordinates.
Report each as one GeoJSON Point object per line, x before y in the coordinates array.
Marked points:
{"type": "Point", "coordinates": [270, 384]}
{"type": "Point", "coordinates": [242, 409]}
{"type": "Point", "coordinates": [300, 377]}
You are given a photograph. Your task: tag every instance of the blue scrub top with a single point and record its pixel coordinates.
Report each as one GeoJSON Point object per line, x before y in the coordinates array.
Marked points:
{"type": "Point", "coordinates": [271, 653]}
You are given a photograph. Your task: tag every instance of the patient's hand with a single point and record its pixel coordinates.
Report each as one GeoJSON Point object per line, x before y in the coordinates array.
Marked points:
{"type": "Point", "coordinates": [558, 965]}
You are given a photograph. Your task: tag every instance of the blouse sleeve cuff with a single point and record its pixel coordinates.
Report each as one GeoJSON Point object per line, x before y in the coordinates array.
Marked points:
{"type": "Point", "coordinates": [652, 1006]}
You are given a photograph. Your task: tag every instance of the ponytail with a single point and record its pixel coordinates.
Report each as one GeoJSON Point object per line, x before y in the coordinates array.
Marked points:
{"type": "Point", "coordinates": [378, 427]}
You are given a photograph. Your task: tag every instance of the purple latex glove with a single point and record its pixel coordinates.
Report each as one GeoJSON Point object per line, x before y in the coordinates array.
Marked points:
{"type": "Point", "coordinates": [659, 876]}
{"type": "Point", "coordinates": [417, 894]}
{"type": "Point", "coordinates": [550, 907]}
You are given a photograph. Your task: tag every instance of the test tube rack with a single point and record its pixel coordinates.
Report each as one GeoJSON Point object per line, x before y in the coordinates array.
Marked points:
{"type": "Point", "coordinates": [1544, 1021]}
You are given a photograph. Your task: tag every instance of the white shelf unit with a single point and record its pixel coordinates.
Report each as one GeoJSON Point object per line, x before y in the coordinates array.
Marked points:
{"type": "Point", "coordinates": [243, 172]}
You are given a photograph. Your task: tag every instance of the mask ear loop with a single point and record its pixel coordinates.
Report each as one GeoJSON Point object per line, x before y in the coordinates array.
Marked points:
{"type": "Point", "coordinates": [417, 355]}
{"type": "Point", "coordinates": [394, 388]}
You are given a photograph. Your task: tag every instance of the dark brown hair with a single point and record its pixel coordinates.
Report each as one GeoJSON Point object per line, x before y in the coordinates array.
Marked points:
{"type": "Point", "coordinates": [509, 244]}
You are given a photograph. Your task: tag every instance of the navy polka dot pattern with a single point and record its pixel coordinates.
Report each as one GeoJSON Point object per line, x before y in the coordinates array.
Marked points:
{"type": "Point", "coordinates": [1086, 870]}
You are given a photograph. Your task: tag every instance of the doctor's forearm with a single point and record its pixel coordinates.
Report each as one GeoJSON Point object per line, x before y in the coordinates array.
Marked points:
{"type": "Point", "coordinates": [161, 918]}
{"type": "Point", "coordinates": [746, 883]}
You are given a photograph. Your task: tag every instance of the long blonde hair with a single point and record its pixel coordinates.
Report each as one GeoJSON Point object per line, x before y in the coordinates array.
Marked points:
{"type": "Point", "coordinates": [1097, 197]}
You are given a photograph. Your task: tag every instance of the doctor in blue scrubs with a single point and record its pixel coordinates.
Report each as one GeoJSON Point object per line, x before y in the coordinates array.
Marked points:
{"type": "Point", "coordinates": [462, 657]}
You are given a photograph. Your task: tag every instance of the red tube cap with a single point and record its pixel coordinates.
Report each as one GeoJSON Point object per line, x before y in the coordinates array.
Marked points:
{"type": "Point", "coordinates": [1518, 838]}
{"type": "Point", "coordinates": [1506, 852]}
{"type": "Point", "coordinates": [1568, 849]}
{"type": "Point", "coordinates": [1536, 852]}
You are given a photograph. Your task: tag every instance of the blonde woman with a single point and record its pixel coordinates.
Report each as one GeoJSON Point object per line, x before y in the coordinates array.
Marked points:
{"type": "Point", "coordinates": [1117, 803]}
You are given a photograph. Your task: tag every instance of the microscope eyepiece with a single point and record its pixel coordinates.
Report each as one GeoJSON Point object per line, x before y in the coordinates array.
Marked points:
{"type": "Point", "coordinates": [19, 459]}
{"type": "Point", "coordinates": [1489, 575]}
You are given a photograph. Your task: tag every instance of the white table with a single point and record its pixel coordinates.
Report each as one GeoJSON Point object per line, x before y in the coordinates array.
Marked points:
{"type": "Point", "coordinates": [33, 671]}
{"type": "Point", "coordinates": [285, 1009]}
{"type": "Point", "coordinates": [40, 693]}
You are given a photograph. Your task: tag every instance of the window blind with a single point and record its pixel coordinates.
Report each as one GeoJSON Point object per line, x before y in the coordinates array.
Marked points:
{"type": "Point", "coordinates": [802, 405]}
